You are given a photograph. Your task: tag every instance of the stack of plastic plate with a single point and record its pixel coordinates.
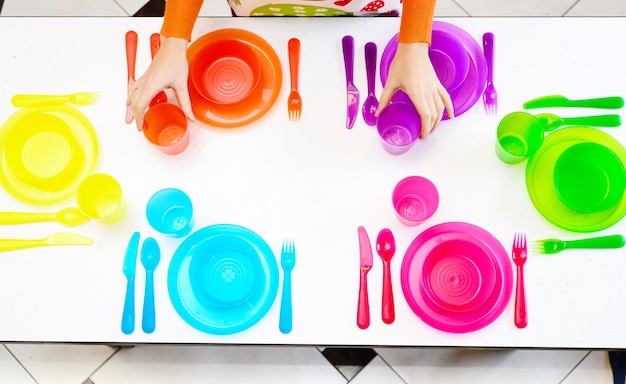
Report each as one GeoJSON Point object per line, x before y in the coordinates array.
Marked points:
{"type": "Point", "coordinates": [223, 279]}
{"type": "Point", "coordinates": [554, 186]}
{"type": "Point", "coordinates": [458, 60]}
{"type": "Point", "coordinates": [46, 152]}
{"type": "Point", "coordinates": [456, 277]}
{"type": "Point", "coordinates": [235, 77]}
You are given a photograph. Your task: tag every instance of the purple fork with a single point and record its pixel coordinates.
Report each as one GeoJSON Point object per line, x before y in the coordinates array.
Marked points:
{"type": "Point", "coordinates": [490, 96]}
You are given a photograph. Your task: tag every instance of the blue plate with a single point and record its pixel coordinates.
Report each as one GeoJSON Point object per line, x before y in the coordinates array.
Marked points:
{"type": "Point", "coordinates": [223, 279]}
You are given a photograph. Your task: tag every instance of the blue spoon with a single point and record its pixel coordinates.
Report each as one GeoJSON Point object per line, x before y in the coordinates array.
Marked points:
{"type": "Point", "coordinates": [150, 257]}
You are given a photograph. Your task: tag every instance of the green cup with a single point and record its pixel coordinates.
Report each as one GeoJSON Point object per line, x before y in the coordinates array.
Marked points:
{"type": "Point", "coordinates": [589, 177]}
{"type": "Point", "coordinates": [519, 136]}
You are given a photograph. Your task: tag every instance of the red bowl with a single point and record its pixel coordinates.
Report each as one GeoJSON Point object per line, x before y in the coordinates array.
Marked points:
{"type": "Point", "coordinates": [226, 72]}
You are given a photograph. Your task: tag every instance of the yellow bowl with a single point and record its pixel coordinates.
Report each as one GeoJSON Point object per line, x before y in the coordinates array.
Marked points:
{"type": "Point", "coordinates": [41, 149]}
{"type": "Point", "coordinates": [46, 152]}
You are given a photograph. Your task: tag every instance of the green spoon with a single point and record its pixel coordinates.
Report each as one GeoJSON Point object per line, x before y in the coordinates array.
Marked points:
{"type": "Point", "coordinates": [551, 121]}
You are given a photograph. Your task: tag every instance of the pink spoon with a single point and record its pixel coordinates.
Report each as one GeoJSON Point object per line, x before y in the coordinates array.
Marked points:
{"type": "Point", "coordinates": [386, 247]}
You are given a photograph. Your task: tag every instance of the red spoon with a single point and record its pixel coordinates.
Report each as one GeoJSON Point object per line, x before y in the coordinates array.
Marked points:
{"type": "Point", "coordinates": [386, 247]}
{"type": "Point", "coordinates": [155, 44]}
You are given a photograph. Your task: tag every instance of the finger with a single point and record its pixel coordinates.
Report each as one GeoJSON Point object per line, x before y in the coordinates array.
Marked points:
{"type": "Point", "coordinates": [447, 101]}
{"type": "Point", "coordinates": [139, 122]}
{"type": "Point", "coordinates": [427, 119]}
{"type": "Point", "coordinates": [439, 104]}
{"type": "Point", "coordinates": [139, 109]}
{"type": "Point", "coordinates": [182, 95]}
{"type": "Point", "coordinates": [385, 99]}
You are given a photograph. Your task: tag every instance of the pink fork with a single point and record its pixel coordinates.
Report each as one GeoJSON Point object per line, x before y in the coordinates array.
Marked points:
{"type": "Point", "coordinates": [519, 258]}
{"type": "Point", "coordinates": [490, 96]}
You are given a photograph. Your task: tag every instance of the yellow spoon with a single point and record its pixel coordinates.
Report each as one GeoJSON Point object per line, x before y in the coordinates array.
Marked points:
{"type": "Point", "coordinates": [70, 216]}
{"type": "Point", "coordinates": [57, 238]}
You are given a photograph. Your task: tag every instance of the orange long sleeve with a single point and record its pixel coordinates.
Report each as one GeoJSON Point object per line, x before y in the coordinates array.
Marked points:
{"type": "Point", "coordinates": [180, 17]}
{"type": "Point", "coordinates": [416, 24]}
{"type": "Point", "coordinates": [417, 21]}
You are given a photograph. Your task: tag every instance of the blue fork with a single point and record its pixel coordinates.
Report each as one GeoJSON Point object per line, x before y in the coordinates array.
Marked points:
{"type": "Point", "coordinates": [287, 262]}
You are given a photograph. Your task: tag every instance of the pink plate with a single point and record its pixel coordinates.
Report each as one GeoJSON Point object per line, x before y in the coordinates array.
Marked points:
{"type": "Point", "coordinates": [465, 95]}
{"type": "Point", "coordinates": [457, 277]}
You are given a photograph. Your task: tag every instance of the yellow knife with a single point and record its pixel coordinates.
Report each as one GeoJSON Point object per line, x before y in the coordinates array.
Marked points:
{"type": "Point", "coordinates": [57, 238]}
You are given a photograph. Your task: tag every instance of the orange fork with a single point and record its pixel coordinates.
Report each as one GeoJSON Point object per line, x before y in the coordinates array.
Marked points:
{"type": "Point", "coordinates": [294, 101]}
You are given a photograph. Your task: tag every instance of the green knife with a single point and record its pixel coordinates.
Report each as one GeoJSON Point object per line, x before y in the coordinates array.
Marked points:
{"type": "Point", "coordinates": [613, 102]}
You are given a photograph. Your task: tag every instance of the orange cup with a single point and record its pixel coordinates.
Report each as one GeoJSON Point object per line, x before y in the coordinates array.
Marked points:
{"type": "Point", "coordinates": [165, 126]}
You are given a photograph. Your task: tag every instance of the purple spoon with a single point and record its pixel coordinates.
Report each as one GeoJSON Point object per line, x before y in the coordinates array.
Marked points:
{"type": "Point", "coordinates": [371, 102]}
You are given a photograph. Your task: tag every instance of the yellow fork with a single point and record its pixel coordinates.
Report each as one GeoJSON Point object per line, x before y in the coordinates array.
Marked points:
{"type": "Point", "coordinates": [77, 98]}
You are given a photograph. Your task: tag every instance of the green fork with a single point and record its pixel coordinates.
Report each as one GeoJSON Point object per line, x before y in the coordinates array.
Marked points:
{"type": "Point", "coordinates": [550, 246]}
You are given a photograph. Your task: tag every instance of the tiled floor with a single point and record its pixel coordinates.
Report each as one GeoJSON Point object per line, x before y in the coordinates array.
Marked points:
{"type": "Point", "coordinates": [71, 363]}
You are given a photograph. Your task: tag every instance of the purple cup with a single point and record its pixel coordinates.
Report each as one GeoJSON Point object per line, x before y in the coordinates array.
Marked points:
{"type": "Point", "coordinates": [398, 127]}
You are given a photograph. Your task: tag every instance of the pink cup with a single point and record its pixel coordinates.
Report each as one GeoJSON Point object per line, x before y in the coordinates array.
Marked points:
{"type": "Point", "coordinates": [415, 199]}
{"type": "Point", "coordinates": [165, 126]}
{"type": "Point", "coordinates": [398, 127]}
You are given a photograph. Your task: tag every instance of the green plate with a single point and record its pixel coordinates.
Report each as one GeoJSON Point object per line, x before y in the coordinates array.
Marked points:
{"type": "Point", "coordinates": [543, 193]}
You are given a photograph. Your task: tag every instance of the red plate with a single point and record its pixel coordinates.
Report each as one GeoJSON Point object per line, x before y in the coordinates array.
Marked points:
{"type": "Point", "coordinates": [255, 106]}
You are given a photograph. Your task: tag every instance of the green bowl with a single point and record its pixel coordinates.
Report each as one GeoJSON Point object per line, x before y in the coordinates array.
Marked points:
{"type": "Point", "coordinates": [589, 177]}
{"type": "Point", "coordinates": [542, 189]}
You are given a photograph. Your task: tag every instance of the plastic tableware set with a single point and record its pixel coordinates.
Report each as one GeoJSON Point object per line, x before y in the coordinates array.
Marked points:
{"type": "Point", "coordinates": [235, 77]}
{"type": "Point", "coordinates": [222, 278]}
{"type": "Point", "coordinates": [49, 151]}
{"type": "Point", "coordinates": [575, 176]}
{"type": "Point", "coordinates": [456, 277]}
{"type": "Point", "coordinates": [461, 67]}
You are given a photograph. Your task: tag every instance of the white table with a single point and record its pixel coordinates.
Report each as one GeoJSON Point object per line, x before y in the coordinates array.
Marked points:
{"type": "Point", "coordinates": [315, 181]}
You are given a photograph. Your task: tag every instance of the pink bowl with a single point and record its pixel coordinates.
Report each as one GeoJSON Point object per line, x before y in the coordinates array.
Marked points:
{"type": "Point", "coordinates": [458, 275]}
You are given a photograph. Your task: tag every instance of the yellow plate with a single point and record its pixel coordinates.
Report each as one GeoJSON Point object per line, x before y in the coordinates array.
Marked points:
{"type": "Point", "coordinates": [46, 152]}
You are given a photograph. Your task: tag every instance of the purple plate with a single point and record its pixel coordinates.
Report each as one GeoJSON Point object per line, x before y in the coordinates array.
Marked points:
{"type": "Point", "coordinates": [469, 91]}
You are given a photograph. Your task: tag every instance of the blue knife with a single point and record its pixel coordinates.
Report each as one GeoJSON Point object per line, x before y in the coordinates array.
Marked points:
{"type": "Point", "coordinates": [129, 267]}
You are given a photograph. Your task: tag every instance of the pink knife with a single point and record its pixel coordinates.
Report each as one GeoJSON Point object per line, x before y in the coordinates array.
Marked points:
{"type": "Point", "coordinates": [367, 259]}
{"type": "Point", "coordinates": [352, 91]}
{"type": "Point", "coordinates": [131, 56]}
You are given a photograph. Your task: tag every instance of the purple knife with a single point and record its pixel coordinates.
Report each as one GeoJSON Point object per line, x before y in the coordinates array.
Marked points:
{"type": "Point", "coordinates": [353, 92]}
{"type": "Point", "coordinates": [367, 259]}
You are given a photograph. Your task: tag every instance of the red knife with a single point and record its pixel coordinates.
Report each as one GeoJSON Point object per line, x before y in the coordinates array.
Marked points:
{"type": "Point", "coordinates": [131, 56]}
{"type": "Point", "coordinates": [367, 259]}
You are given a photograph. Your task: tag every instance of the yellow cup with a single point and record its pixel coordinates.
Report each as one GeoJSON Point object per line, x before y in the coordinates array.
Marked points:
{"type": "Point", "coordinates": [100, 197]}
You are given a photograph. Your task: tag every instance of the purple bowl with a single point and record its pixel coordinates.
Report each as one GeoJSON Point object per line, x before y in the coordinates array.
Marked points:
{"type": "Point", "coordinates": [449, 58]}
{"type": "Point", "coordinates": [470, 89]}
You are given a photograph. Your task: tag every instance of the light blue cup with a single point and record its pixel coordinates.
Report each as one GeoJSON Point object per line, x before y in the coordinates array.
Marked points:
{"type": "Point", "coordinates": [170, 211]}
